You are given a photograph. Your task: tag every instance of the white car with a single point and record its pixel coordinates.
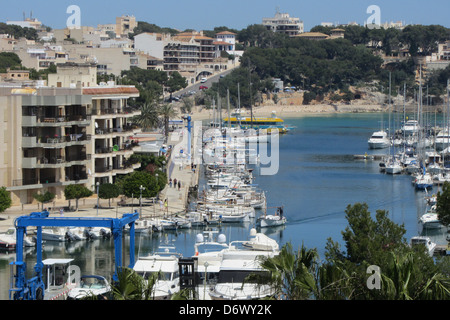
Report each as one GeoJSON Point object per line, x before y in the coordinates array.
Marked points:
{"type": "Point", "coordinates": [203, 80]}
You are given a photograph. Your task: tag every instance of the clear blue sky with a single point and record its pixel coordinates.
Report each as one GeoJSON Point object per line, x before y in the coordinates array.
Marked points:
{"type": "Point", "coordinates": [238, 14]}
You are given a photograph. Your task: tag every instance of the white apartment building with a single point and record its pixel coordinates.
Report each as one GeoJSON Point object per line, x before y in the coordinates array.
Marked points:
{"type": "Point", "coordinates": [283, 23]}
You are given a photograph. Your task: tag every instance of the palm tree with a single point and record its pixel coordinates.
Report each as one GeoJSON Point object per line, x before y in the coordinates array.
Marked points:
{"type": "Point", "coordinates": [149, 117]}
{"type": "Point", "coordinates": [292, 275]}
{"type": "Point", "coordinates": [166, 111]}
{"type": "Point", "coordinates": [131, 286]}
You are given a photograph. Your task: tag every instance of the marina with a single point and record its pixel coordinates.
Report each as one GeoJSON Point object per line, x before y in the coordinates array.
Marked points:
{"type": "Point", "coordinates": [318, 176]}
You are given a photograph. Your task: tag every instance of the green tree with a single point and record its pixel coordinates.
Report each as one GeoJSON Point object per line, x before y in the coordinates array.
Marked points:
{"type": "Point", "coordinates": [77, 192]}
{"type": "Point", "coordinates": [108, 191]}
{"type": "Point", "coordinates": [291, 274]}
{"type": "Point", "coordinates": [9, 60]}
{"type": "Point", "coordinates": [176, 82]}
{"type": "Point", "coordinates": [443, 204]}
{"type": "Point", "coordinates": [5, 199]}
{"type": "Point", "coordinates": [132, 183]}
{"type": "Point", "coordinates": [132, 286]}
{"type": "Point", "coordinates": [44, 197]}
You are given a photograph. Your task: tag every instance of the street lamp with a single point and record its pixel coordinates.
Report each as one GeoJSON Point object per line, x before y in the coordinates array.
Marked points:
{"type": "Point", "coordinates": [98, 185]}
{"type": "Point", "coordinates": [140, 201]}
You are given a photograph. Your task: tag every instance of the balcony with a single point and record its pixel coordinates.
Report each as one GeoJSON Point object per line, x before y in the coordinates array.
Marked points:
{"type": "Point", "coordinates": [117, 149]}
{"type": "Point", "coordinates": [35, 183]}
{"type": "Point", "coordinates": [54, 162]}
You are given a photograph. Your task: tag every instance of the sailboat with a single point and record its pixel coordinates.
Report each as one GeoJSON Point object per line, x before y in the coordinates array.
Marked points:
{"type": "Point", "coordinates": [393, 164]}
{"type": "Point", "coordinates": [424, 180]}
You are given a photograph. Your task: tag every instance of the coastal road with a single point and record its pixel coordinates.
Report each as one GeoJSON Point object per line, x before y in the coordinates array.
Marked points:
{"type": "Point", "coordinates": [196, 86]}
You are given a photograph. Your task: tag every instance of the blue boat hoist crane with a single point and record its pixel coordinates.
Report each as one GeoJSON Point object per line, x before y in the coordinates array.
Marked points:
{"type": "Point", "coordinates": [22, 288]}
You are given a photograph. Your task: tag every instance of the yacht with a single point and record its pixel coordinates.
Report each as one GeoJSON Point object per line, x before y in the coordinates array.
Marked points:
{"type": "Point", "coordinates": [442, 140]}
{"type": "Point", "coordinates": [91, 286]}
{"type": "Point", "coordinates": [430, 219]}
{"type": "Point", "coordinates": [223, 267]}
{"type": "Point", "coordinates": [165, 263]}
{"type": "Point", "coordinates": [379, 140]}
{"type": "Point", "coordinates": [410, 127]}
{"type": "Point", "coordinates": [425, 241]}
{"type": "Point", "coordinates": [59, 234]}
{"type": "Point", "coordinates": [9, 238]}
{"type": "Point", "coordinates": [236, 265]}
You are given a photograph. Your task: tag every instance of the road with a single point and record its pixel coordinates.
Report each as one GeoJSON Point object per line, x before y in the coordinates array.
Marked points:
{"type": "Point", "coordinates": [196, 86]}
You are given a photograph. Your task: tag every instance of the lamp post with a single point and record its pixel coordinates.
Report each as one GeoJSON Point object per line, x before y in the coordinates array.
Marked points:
{"type": "Point", "coordinates": [140, 201]}
{"type": "Point", "coordinates": [98, 185]}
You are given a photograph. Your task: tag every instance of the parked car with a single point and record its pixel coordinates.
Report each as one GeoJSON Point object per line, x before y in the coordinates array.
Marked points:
{"type": "Point", "coordinates": [203, 87]}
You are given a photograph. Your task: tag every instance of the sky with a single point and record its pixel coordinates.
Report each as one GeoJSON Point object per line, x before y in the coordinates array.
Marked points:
{"type": "Point", "coordinates": [236, 14]}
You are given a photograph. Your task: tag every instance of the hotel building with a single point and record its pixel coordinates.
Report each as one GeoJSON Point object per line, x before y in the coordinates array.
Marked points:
{"type": "Point", "coordinates": [54, 136]}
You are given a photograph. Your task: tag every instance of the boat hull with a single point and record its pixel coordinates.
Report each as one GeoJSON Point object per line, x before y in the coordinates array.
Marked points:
{"type": "Point", "coordinates": [272, 221]}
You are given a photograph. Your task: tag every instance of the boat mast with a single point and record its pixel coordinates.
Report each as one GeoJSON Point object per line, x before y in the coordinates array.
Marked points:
{"type": "Point", "coordinates": [250, 92]}
{"type": "Point", "coordinates": [228, 107]}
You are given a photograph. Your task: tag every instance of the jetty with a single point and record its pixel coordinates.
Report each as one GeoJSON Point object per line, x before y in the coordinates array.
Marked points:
{"type": "Point", "coordinates": [375, 157]}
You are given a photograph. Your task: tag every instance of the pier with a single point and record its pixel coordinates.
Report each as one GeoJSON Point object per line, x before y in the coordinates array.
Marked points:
{"type": "Point", "coordinates": [375, 157]}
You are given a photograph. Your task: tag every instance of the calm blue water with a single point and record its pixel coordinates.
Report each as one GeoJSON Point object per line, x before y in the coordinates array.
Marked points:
{"type": "Point", "coordinates": [317, 178]}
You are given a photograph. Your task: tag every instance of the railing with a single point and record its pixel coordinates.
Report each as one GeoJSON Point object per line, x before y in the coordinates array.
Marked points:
{"type": "Point", "coordinates": [64, 139]}
{"type": "Point", "coordinates": [117, 148]}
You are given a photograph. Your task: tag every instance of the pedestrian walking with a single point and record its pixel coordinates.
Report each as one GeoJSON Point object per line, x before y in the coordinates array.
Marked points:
{"type": "Point", "coordinates": [179, 185]}
{"type": "Point", "coordinates": [175, 182]}
{"type": "Point", "coordinates": [170, 182]}
{"type": "Point", "coordinates": [166, 205]}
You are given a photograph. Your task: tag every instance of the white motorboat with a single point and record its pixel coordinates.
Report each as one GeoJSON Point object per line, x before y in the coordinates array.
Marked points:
{"type": "Point", "coordinates": [379, 140]}
{"type": "Point", "coordinates": [430, 220]}
{"type": "Point", "coordinates": [91, 286]}
{"type": "Point", "coordinates": [197, 219]}
{"type": "Point", "coordinates": [272, 220]}
{"type": "Point", "coordinates": [77, 233]}
{"type": "Point", "coordinates": [236, 265]}
{"type": "Point", "coordinates": [55, 234]}
{"type": "Point", "coordinates": [260, 241]}
{"type": "Point", "coordinates": [97, 232]}
{"type": "Point", "coordinates": [411, 127]}
{"type": "Point", "coordinates": [223, 267]}
{"type": "Point", "coordinates": [143, 226]}
{"type": "Point", "coordinates": [164, 263]}
{"type": "Point", "coordinates": [9, 238]}
{"type": "Point", "coordinates": [442, 140]}
{"type": "Point", "coordinates": [181, 223]}
{"type": "Point", "coordinates": [429, 245]}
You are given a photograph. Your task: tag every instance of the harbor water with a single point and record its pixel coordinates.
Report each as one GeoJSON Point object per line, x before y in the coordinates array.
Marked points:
{"type": "Point", "coordinates": [318, 177]}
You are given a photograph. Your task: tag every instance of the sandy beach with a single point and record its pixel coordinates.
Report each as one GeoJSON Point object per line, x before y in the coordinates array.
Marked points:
{"type": "Point", "coordinates": [292, 111]}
